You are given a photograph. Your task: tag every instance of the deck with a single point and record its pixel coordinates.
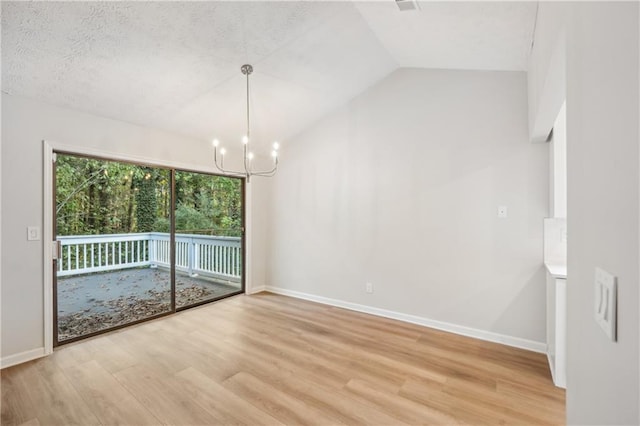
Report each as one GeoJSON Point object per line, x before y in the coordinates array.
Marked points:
{"type": "Point", "coordinates": [97, 301]}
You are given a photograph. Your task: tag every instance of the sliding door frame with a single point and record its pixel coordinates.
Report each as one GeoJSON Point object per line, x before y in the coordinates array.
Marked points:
{"type": "Point", "coordinates": [50, 148]}
{"type": "Point", "coordinates": [53, 219]}
{"type": "Point", "coordinates": [243, 287]}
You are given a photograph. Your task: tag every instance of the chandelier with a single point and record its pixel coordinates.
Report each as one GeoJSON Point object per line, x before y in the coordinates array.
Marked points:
{"type": "Point", "coordinates": [247, 154]}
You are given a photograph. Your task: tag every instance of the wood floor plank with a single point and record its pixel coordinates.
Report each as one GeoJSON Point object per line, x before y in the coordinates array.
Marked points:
{"type": "Point", "coordinates": [106, 397]}
{"type": "Point", "coordinates": [32, 422]}
{"type": "Point", "coordinates": [53, 399]}
{"type": "Point", "coordinates": [151, 348]}
{"type": "Point", "coordinates": [285, 408]}
{"type": "Point", "coordinates": [215, 397]}
{"type": "Point", "coordinates": [110, 355]}
{"type": "Point", "coordinates": [210, 357]}
{"type": "Point", "coordinates": [291, 360]}
{"type": "Point", "coordinates": [321, 354]}
{"type": "Point", "coordinates": [363, 355]}
{"type": "Point", "coordinates": [399, 407]}
{"type": "Point", "coordinates": [508, 410]}
{"type": "Point", "coordinates": [267, 359]}
{"type": "Point", "coordinates": [16, 405]}
{"type": "Point", "coordinates": [163, 396]}
{"type": "Point", "coordinates": [306, 383]}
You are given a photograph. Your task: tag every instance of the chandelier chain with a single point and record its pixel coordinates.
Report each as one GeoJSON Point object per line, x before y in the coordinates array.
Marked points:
{"type": "Point", "coordinates": [248, 122]}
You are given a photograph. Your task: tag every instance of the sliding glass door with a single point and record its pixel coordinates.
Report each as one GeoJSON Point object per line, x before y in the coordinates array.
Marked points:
{"type": "Point", "coordinates": [119, 260]}
{"type": "Point", "coordinates": [208, 241]}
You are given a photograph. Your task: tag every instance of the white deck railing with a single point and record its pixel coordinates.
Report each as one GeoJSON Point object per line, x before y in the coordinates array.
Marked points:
{"type": "Point", "coordinates": [195, 254]}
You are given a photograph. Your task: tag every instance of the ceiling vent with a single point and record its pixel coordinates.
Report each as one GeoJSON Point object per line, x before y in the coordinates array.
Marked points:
{"type": "Point", "coordinates": [406, 5]}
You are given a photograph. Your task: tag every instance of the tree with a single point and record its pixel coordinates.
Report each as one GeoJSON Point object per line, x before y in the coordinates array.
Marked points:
{"type": "Point", "coordinates": [103, 197]}
{"type": "Point", "coordinates": [146, 204]}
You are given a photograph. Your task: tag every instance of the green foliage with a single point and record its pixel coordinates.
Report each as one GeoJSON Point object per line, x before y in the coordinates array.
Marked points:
{"type": "Point", "coordinates": [146, 204]}
{"type": "Point", "coordinates": [162, 225]}
{"type": "Point", "coordinates": [190, 219]}
{"type": "Point", "coordinates": [91, 196]}
{"type": "Point", "coordinates": [208, 204]}
{"type": "Point", "coordinates": [106, 197]}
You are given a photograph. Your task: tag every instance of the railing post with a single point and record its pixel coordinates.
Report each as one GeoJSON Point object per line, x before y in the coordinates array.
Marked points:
{"type": "Point", "coordinates": [192, 256]}
{"type": "Point", "coordinates": [151, 251]}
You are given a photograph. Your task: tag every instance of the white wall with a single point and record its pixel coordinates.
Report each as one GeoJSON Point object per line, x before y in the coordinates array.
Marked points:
{"type": "Point", "coordinates": [558, 166]}
{"type": "Point", "coordinates": [601, 64]}
{"type": "Point", "coordinates": [25, 124]}
{"type": "Point", "coordinates": [603, 211]}
{"type": "Point", "coordinates": [400, 187]}
{"type": "Point", "coordinates": [546, 77]}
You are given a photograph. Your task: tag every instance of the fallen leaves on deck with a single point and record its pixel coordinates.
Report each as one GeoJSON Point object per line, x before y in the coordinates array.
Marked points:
{"type": "Point", "coordinates": [125, 310]}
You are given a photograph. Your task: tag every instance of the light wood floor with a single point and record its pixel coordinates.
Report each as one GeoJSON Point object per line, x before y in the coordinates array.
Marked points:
{"type": "Point", "coordinates": [268, 359]}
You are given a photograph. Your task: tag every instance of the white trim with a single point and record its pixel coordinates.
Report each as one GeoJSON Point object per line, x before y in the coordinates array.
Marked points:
{"type": "Point", "coordinates": [552, 368]}
{"type": "Point", "coordinates": [47, 239]}
{"type": "Point", "coordinates": [21, 357]}
{"type": "Point", "coordinates": [0, 213]}
{"type": "Point", "coordinates": [248, 242]}
{"type": "Point", "coordinates": [119, 156]}
{"type": "Point", "coordinates": [258, 289]}
{"type": "Point", "coordinates": [489, 336]}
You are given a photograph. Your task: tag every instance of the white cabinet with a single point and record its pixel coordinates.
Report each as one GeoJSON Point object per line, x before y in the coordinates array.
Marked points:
{"type": "Point", "coordinates": [557, 328]}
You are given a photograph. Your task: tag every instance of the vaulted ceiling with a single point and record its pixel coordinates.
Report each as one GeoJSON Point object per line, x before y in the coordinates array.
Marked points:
{"type": "Point", "coordinates": [176, 65]}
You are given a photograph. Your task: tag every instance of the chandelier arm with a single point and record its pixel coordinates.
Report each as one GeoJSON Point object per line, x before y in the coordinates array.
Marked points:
{"type": "Point", "coordinates": [266, 173]}
{"type": "Point", "coordinates": [221, 168]}
{"type": "Point", "coordinates": [231, 172]}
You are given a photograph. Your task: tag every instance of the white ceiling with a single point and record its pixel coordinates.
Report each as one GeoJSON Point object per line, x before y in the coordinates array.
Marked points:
{"type": "Point", "coordinates": [455, 35]}
{"type": "Point", "coordinates": [176, 65]}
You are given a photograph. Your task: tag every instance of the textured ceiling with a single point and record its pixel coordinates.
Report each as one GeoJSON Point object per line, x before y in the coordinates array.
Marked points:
{"type": "Point", "coordinates": [455, 35]}
{"type": "Point", "coordinates": [175, 65]}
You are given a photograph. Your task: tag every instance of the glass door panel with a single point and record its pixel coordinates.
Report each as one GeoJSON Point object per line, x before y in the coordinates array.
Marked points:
{"type": "Point", "coordinates": [112, 220]}
{"type": "Point", "coordinates": [208, 239]}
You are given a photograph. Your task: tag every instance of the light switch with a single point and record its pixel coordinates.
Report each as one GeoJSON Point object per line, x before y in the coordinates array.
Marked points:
{"type": "Point", "coordinates": [33, 233]}
{"type": "Point", "coordinates": [606, 302]}
{"type": "Point", "coordinates": [502, 212]}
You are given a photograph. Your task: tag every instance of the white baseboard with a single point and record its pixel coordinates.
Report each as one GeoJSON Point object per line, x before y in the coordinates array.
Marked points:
{"type": "Point", "coordinates": [256, 289]}
{"type": "Point", "coordinates": [489, 336]}
{"type": "Point", "coordinates": [557, 381]}
{"type": "Point", "coordinates": [21, 357]}
{"type": "Point", "coordinates": [552, 369]}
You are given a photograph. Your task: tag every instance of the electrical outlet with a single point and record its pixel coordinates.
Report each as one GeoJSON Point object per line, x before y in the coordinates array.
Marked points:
{"type": "Point", "coordinates": [369, 288]}
{"type": "Point", "coordinates": [33, 233]}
